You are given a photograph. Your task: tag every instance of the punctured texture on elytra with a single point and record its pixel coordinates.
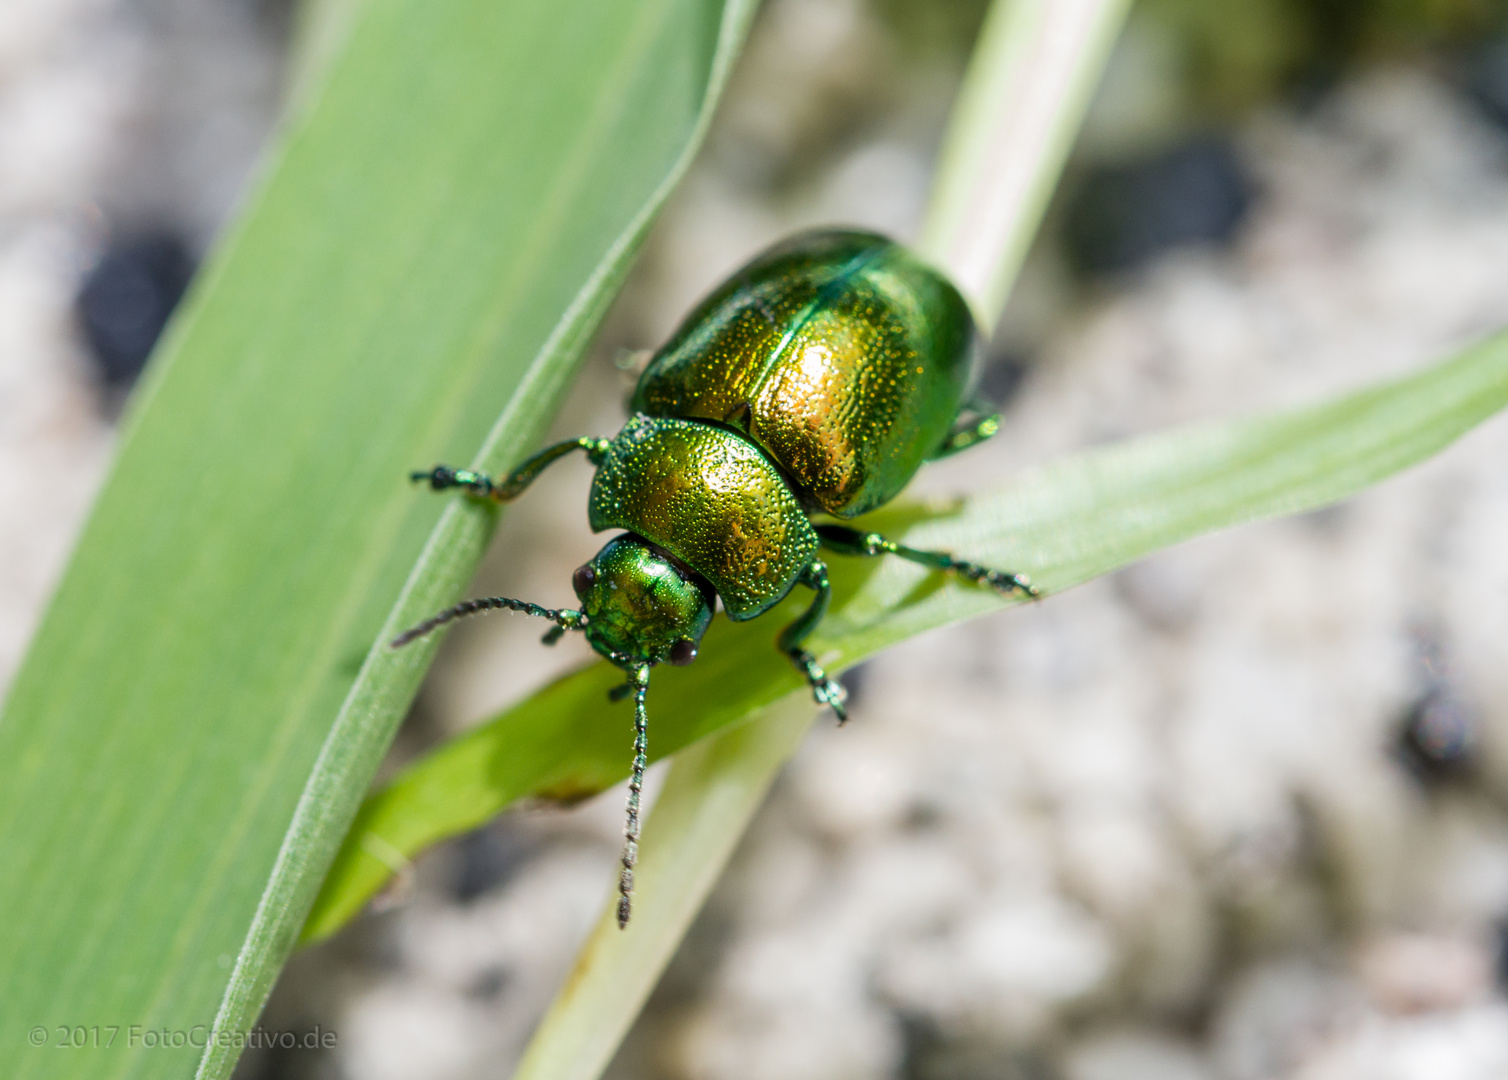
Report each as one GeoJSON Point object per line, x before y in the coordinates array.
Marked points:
{"type": "Point", "coordinates": [840, 354]}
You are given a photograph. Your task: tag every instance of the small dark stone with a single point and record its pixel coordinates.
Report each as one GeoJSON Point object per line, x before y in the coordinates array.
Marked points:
{"type": "Point", "coordinates": [1500, 956]}
{"type": "Point", "coordinates": [923, 817]}
{"type": "Point", "coordinates": [930, 1054]}
{"type": "Point", "coordinates": [1002, 378]}
{"type": "Point", "coordinates": [297, 1051]}
{"type": "Point", "coordinates": [489, 857]}
{"type": "Point", "coordinates": [855, 681]}
{"type": "Point", "coordinates": [1121, 216]}
{"type": "Point", "coordinates": [1437, 740]}
{"type": "Point", "coordinates": [488, 985]}
{"type": "Point", "coordinates": [126, 300]}
{"type": "Point", "coordinates": [1486, 81]}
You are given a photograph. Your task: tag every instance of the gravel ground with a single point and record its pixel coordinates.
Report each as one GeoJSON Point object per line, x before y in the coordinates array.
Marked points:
{"type": "Point", "coordinates": [1234, 813]}
{"type": "Point", "coordinates": [116, 120]}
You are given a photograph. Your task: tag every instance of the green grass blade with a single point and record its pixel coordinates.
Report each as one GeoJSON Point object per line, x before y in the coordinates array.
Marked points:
{"type": "Point", "coordinates": [434, 244]}
{"type": "Point", "coordinates": [1023, 99]}
{"type": "Point", "coordinates": [1065, 524]}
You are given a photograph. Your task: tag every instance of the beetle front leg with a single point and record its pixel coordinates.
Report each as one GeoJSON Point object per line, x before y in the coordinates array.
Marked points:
{"type": "Point", "coordinates": [848, 541]}
{"type": "Point", "coordinates": [827, 691]}
{"type": "Point", "coordinates": [442, 477]}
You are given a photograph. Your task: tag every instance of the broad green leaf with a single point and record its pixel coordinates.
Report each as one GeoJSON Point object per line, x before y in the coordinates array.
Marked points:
{"type": "Point", "coordinates": [1064, 525]}
{"type": "Point", "coordinates": [203, 707]}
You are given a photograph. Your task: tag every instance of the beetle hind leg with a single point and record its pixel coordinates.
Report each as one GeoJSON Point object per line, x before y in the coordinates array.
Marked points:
{"type": "Point", "coordinates": [826, 690]}
{"type": "Point", "coordinates": [848, 541]}
{"type": "Point", "coordinates": [976, 422]}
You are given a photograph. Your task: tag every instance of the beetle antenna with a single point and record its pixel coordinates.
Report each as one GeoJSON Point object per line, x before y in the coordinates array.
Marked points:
{"type": "Point", "coordinates": [565, 618]}
{"type": "Point", "coordinates": [640, 680]}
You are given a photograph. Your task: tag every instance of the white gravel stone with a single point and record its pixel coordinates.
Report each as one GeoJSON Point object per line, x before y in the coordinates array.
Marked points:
{"type": "Point", "coordinates": [1134, 1055]}
{"type": "Point", "coordinates": [65, 68]}
{"type": "Point", "coordinates": [1469, 1044]}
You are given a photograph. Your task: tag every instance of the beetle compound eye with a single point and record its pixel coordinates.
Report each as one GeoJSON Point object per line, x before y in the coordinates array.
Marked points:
{"type": "Point", "coordinates": [583, 579]}
{"type": "Point", "coordinates": [683, 652]}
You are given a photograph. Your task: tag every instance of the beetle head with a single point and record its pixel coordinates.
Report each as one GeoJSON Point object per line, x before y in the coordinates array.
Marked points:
{"type": "Point", "coordinates": [640, 607]}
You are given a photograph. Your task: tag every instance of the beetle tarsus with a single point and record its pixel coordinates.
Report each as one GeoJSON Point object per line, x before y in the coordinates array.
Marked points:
{"type": "Point", "coordinates": [439, 478]}
{"type": "Point", "coordinates": [1000, 580]}
{"type": "Point", "coordinates": [825, 690]}
{"type": "Point", "coordinates": [618, 693]}
{"type": "Point", "coordinates": [443, 478]}
{"type": "Point", "coordinates": [976, 422]}
{"type": "Point", "coordinates": [846, 541]}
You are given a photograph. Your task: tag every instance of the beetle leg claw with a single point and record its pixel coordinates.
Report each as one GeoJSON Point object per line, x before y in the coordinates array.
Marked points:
{"type": "Point", "coordinates": [826, 691]}
{"type": "Point", "coordinates": [618, 693]}
{"type": "Point", "coordinates": [443, 477]}
{"type": "Point", "coordinates": [1002, 581]}
{"type": "Point", "coordinates": [439, 478]}
{"type": "Point", "coordinates": [834, 695]}
{"type": "Point", "coordinates": [846, 541]}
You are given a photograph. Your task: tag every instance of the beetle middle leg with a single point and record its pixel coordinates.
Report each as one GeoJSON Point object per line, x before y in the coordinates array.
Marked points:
{"type": "Point", "coordinates": [826, 690]}
{"type": "Point", "coordinates": [848, 541]}
{"type": "Point", "coordinates": [512, 486]}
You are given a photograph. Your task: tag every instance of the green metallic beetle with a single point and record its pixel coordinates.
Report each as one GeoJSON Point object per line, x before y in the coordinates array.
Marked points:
{"type": "Point", "coordinates": [816, 380]}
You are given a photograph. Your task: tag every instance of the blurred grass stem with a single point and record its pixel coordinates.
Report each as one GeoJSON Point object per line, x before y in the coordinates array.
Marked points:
{"type": "Point", "coordinates": [1023, 99]}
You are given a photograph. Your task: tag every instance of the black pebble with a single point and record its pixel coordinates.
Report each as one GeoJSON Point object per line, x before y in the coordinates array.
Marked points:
{"type": "Point", "coordinates": [1437, 740]}
{"type": "Point", "coordinates": [1500, 965]}
{"type": "Point", "coordinates": [1121, 216]}
{"type": "Point", "coordinates": [489, 857]}
{"type": "Point", "coordinates": [1486, 81]}
{"type": "Point", "coordinates": [1002, 376]}
{"type": "Point", "coordinates": [127, 298]}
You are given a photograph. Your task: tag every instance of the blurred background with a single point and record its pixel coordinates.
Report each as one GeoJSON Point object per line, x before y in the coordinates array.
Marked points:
{"type": "Point", "coordinates": [1239, 812]}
